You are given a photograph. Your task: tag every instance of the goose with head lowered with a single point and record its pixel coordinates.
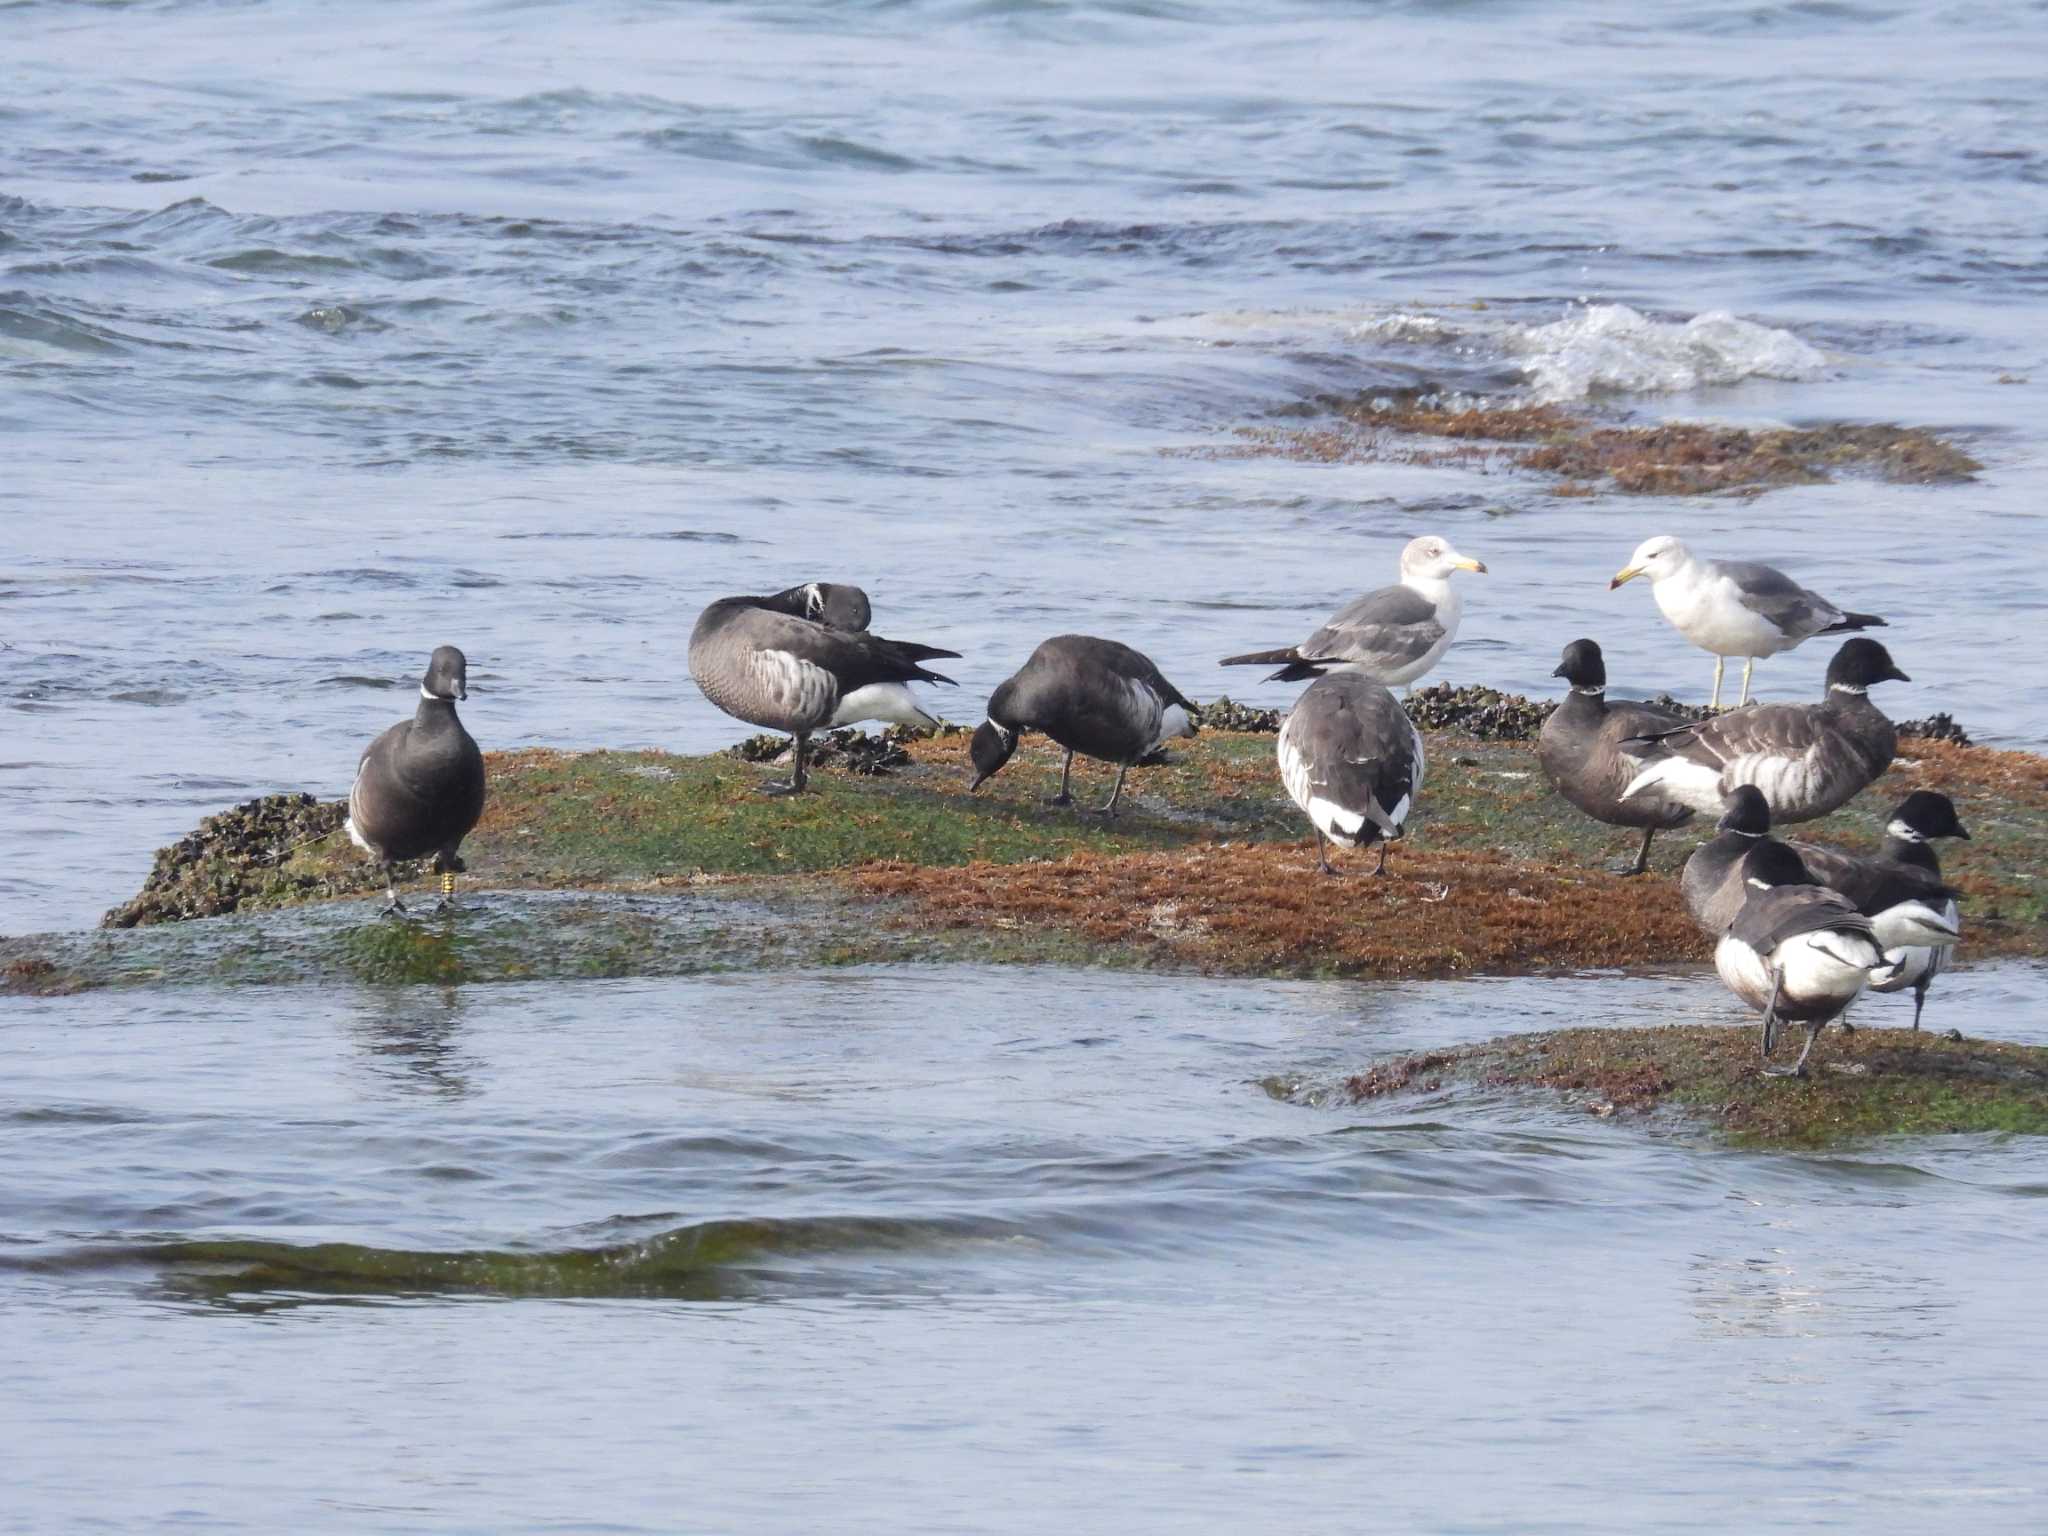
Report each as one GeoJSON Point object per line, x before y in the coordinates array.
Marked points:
{"type": "Point", "coordinates": [787, 673]}
{"type": "Point", "coordinates": [1094, 697]}
{"type": "Point", "coordinates": [1392, 634]}
{"type": "Point", "coordinates": [1899, 889]}
{"type": "Point", "coordinates": [1352, 760]}
{"type": "Point", "coordinates": [1797, 952]}
{"type": "Point", "coordinates": [835, 604]}
{"type": "Point", "coordinates": [419, 787]}
{"type": "Point", "coordinates": [1579, 749]}
{"type": "Point", "coordinates": [1806, 758]}
{"type": "Point", "coordinates": [1734, 607]}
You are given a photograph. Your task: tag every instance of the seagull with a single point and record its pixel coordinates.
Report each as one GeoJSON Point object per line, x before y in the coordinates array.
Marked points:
{"type": "Point", "coordinates": [1796, 952]}
{"type": "Point", "coordinates": [1352, 760]}
{"type": "Point", "coordinates": [785, 673]}
{"type": "Point", "coordinates": [1095, 697]}
{"type": "Point", "coordinates": [1392, 635]}
{"type": "Point", "coordinates": [1900, 891]}
{"type": "Point", "coordinates": [1806, 758]}
{"type": "Point", "coordinates": [1711, 882]}
{"type": "Point", "coordinates": [1580, 750]}
{"type": "Point", "coordinates": [1734, 607]}
{"type": "Point", "coordinates": [419, 787]}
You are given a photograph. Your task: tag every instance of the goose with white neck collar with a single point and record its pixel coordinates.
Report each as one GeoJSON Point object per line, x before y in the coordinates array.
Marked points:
{"type": "Point", "coordinates": [1579, 749]}
{"type": "Point", "coordinates": [419, 787]}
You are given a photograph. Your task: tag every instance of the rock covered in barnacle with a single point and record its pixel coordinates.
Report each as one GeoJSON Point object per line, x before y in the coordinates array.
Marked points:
{"type": "Point", "coordinates": [1937, 727]}
{"type": "Point", "coordinates": [237, 858]}
{"type": "Point", "coordinates": [1226, 714]}
{"type": "Point", "coordinates": [848, 748]}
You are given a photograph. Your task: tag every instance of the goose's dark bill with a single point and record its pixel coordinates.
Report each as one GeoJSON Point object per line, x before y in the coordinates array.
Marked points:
{"type": "Point", "coordinates": [1806, 758]}
{"type": "Point", "coordinates": [1095, 697]}
{"type": "Point", "coordinates": [1796, 952]}
{"type": "Point", "coordinates": [787, 673]}
{"type": "Point", "coordinates": [419, 787]}
{"type": "Point", "coordinates": [1734, 607]}
{"type": "Point", "coordinates": [1916, 917]}
{"type": "Point", "coordinates": [1580, 751]}
{"type": "Point", "coordinates": [1353, 761]}
{"type": "Point", "coordinates": [1392, 634]}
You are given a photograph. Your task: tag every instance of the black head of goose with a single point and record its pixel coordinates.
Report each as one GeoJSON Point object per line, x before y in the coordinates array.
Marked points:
{"type": "Point", "coordinates": [1797, 952]}
{"type": "Point", "coordinates": [1900, 890]}
{"type": "Point", "coordinates": [419, 788]}
{"type": "Point", "coordinates": [1353, 761]}
{"type": "Point", "coordinates": [1095, 697]}
{"type": "Point", "coordinates": [835, 604]}
{"type": "Point", "coordinates": [1579, 749]}
{"type": "Point", "coordinates": [1806, 758]}
{"type": "Point", "coordinates": [786, 673]}
{"type": "Point", "coordinates": [1711, 882]}
{"type": "Point", "coordinates": [1392, 634]}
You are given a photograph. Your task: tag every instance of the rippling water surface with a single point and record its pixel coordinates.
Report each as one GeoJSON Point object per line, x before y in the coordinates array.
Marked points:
{"type": "Point", "coordinates": [328, 334]}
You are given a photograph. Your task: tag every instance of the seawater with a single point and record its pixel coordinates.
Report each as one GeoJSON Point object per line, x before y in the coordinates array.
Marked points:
{"type": "Point", "coordinates": [330, 334]}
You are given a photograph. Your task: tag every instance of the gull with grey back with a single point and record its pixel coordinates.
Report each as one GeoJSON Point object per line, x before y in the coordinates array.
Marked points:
{"type": "Point", "coordinates": [1734, 607]}
{"type": "Point", "coordinates": [1797, 952]}
{"type": "Point", "coordinates": [1352, 760]}
{"type": "Point", "coordinates": [1806, 758]}
{"type": "Point", "coordinates": [1096, 697]}
{"type": "Point", "coordinates": [787, 673]}
{"type": "Point", "coordinates": [1579, 749]}
{"type": "Point", "coordinates": [1392, 634]}
{"type": "Point", "coordinates": [419, 787]}
{"type": "Point", "coordinates": [1900, 890]}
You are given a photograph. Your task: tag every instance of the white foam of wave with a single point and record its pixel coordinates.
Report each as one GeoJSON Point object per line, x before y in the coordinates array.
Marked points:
{"type": "Point", "coordinates": [1612, 349]}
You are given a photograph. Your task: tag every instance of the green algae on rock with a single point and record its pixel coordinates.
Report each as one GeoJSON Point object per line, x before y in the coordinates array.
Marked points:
{"type": "Point", "coordinates": [1874, 1082]}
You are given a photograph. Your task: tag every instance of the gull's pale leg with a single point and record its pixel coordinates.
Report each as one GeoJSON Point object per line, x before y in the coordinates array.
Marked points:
{"type": "Point", "coordinates": [1719, 663]}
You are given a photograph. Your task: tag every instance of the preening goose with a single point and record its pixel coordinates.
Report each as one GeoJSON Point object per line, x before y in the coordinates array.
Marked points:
{"type": "Point", "coordinates": [1353, 761]}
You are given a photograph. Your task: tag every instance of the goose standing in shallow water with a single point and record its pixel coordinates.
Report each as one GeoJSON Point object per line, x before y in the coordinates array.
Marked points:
{"type": "Point", "coordinates": [419, 788]}
{"type": "Point", "coordinates": [1900, 891]}
{"type": "Point", "coordinates": [1391, 635]}
{"type": "Point", "coordinates": [1734, 607]}
{"type": "Point", "coordinates": [1095, 697]}
{"type": "Point", "coordinates": [1806, 758]}
{"type": "Point", "coordinates": [1711, 882]}
{"type": "Point", "coordinates": [784, 673]}
{"type": "Point", "coordinates": [1579, 749]}
{"type": "Point", "coordinates": [1796, 952]}
{"type": "Point", "coordinates": [1352, 760]}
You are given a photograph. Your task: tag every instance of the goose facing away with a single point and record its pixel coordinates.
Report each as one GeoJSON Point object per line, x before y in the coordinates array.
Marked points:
{"type": "Point", "coordinates": [1711, 882]}
{"type": "Point", "coordinates": [1901, 892]}
{"type": "Point", "coordinates": [1392, 634]}
{"type": "Point", "coordinates": [835, 604]}
{"type": "Point", "coordinates": [785, 673]}
{"type": "Point", "coordinates": [1579, 749]}
{"type": "Point", "coordinates": [1095, 697]}
{"type": "Point", "coordinates": [419, 787]}
{"type": "Point", "coordinates": [1353, 761]}
{"type": "Point", "coordinates": [1796, 952]}
{"type": "Point", "coordinates": [1734, 607]}
{"type": "Point", "coordinates": [1806, 758]}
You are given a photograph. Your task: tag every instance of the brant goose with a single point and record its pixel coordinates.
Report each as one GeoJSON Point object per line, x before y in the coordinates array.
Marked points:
{"type": "Point", "coordinates": [419, 789]}
{"type": "Point", "coordinates": [1797, 952]}
{"type": "Point", "coordinates": [1900, 891]}
{"type": "Point", "coordinates": [1095, 697]}
{"type": "Point", "coordinates": [1392, 635]}
{"type": "Point", "coordinates": [1734, 607]}
{"type": "Point", "coordinates": [1711, 882]}
{"type": "Point", "coordinates": [1580, 750]}
{"type": "Point", "coordinates": [785, 673]}
{"type": "Point", "coordinates": [1352, 760]}
{"type": "Point", "coordinates": [1806, 758]}
{"type": "Point", "coordinates": [834, 604]}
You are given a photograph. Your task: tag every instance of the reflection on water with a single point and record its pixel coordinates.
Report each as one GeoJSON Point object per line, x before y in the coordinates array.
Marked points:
{"type": "Point", "coordinates": [411, 1037]}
